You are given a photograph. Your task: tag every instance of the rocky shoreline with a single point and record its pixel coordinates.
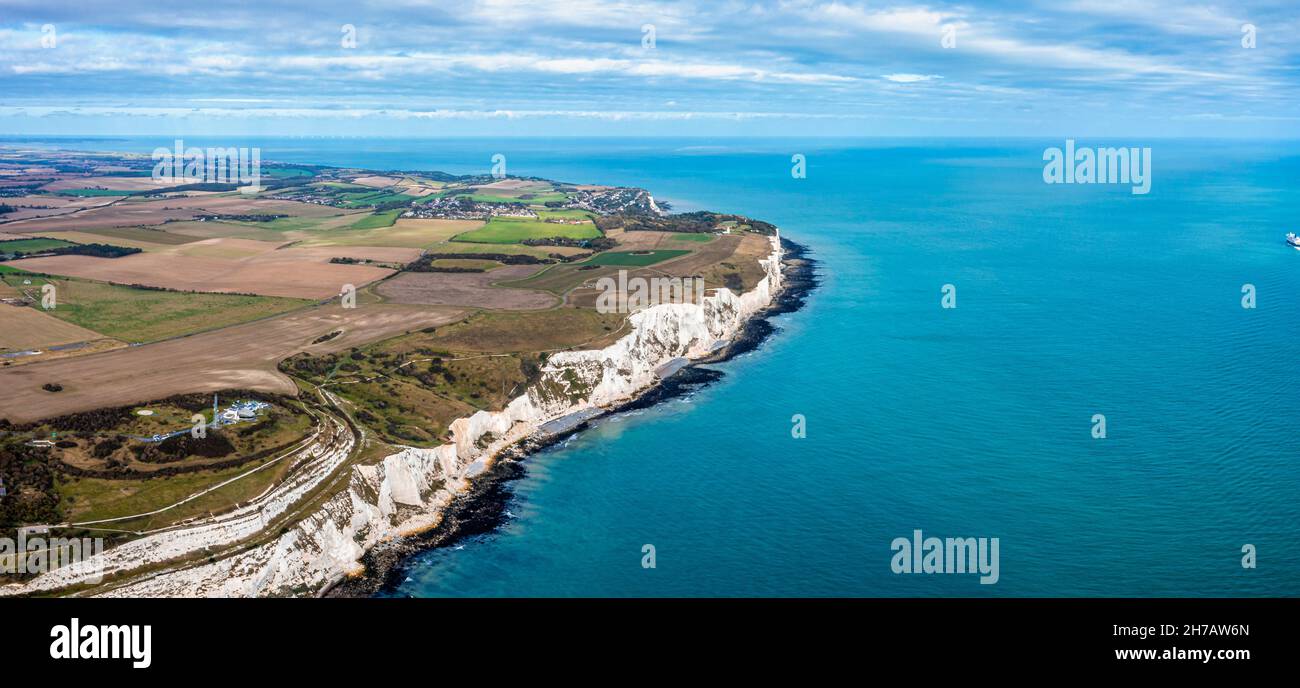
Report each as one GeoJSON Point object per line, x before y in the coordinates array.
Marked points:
{"type": "Point", "coordinates": [481, 508]}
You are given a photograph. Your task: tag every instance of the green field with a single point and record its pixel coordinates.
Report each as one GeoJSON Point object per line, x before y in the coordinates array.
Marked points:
{"type": "Point", "coordinates": [564, 214]}
{"type": "Point", "coordinates": [509, 249]}
{"type": "Point", "coordinates": [377, 220]}
{"type": "Point", "coordinates": [93, 192]}
{"type": "Point", "coordinates": [471, 263]}
{"type": "Point", "coordinates": [692, 236]}
{"type": "Point", "coordinates": [501, 230]}
{"type": "Point", "coordinates": [539, 199]}
{"type": "Point", "coordinates": [633, 258]}
{"type": "Point", "coordinates": [145, 315]}
{"type": "Point", "coordinates": [32, 245]}
{"type": "Point", "coordinates": [357, 200]}
{"type": "Point", "coordinates": [149, 235]}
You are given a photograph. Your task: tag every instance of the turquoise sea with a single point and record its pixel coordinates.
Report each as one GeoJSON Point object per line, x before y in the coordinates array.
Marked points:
{"type": "Point", "coordinates": [1072, 300]}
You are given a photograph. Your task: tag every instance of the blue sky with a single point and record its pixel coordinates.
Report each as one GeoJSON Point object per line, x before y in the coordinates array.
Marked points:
{"type": "Point", "coordinates": [514, 67]}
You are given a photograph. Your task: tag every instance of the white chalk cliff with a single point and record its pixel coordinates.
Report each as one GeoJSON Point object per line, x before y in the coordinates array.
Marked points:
{"type": "Point", "coordinates": [407, 492]}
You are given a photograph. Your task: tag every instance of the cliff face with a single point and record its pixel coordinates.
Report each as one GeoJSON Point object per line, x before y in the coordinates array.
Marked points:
{"type": "Point", "coordinates": [407, 492]}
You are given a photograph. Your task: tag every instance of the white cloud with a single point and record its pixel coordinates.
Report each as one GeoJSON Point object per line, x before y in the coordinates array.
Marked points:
{"type": "Point", "coordinates": [909, 78]}
{"type": "Point", "coordinates": [405, 114]}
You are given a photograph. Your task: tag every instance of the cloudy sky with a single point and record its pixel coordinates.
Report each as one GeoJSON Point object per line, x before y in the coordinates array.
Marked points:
{"type": "Point", "coordinates": [578, 67]}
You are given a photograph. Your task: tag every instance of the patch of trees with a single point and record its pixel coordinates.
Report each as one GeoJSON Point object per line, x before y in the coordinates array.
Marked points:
{"type": "Point", "coordinates": [29, 189]}
{"type": "Point", "coordinates": [148, 287]}
{"type": "Point", "coordinates": [5, 208]}
{"type": "Point", "coordinates": [252, 217]}
{"type": "Point", "coordinates": [698, 222]}
{"type": "Point", "coordinates": [95, 250]}
{"type": "Point", "coordinates": [105, 448]}
{"type": "Point", "coordinates": [597, 244]}
{"type": "Point", "coordinates": [213, 446]}
{"type": "Point", "coordinates": [327, 337]}
{"type": "Point", "coordinates": [52, 387]}
{"type": "Point", "coordinates": [119, 470]}
{"type": "Point", "coordinates": [444, 268]}
{"type": "Point", "coordinates": [308, 365]}
{"type": "Point", "coordinates": [569, 259]}
{"type": "Point", "coordinates": [99, 420]}
{"type": "Point", "coordinates": [425, 262]}
{"type": "Point", "coordinates": [29, 484]}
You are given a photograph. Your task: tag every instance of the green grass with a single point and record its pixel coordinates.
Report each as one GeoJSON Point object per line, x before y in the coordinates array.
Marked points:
{"type": "Point", "coordinates": [374, 198]}
{"type": "Point", "coordinates": [633, 258]}
{"type": "Point", "coordinates": [145, 315]}
{"type": "Point", "coordinates": [153, 236]}
{"type": "Point", "coordinates": [92, 192]}
{"type": "Point", "coordinates": [485, 198]}
{"type": "Point", "coordinates": [509, 231]}
{"type": "Point", "coordinates": [32, 245]}
{"type": "Point", "coordinates": [696, 237]}
{"type": "Point", "coordinates": [539, 199]}
{"type": "Point", "coordinates": [377, 220]}
{"type": "Point", "coordinates": [564, 214]}
{"type": "Point", "coordinates": [465, 263]}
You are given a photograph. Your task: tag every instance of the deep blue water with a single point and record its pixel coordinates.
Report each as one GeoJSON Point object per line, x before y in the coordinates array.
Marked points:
{"type": "Point", "coordinates": [1072, 300]}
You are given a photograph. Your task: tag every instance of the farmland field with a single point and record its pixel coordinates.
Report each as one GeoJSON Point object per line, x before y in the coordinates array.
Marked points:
{"type": "Point", "coordinates": [92, 192]}
{"type": "Point", "coordinates": [695, 237]}
{"type": "Point", "coordinates": [559, 279]}
{"type": "Point", "coordinates": [472, 289]}
{"type": "Point", "coordinates": [535, 331]}
{"type": "Point", "coordinates": [140, 234]}
{"type": "Point", "coordinates": [31, 245]}
{"type": "Point", "coordinates": [404, 233]}
{"type": "Point", "coordinates": [509, 249]}
{"type": "Point", "coordinates": [564, 214]}
{"type": "Point", "coordinates": [266, 272]}
{"type": "Point", "coordinates": [377, 220]}
{"type": "Point", "coordinates": [634, 258]}
{"type": "Point", "coordinates": [32, 328]}
{"type": "Point", "coordinates": [243, 356]}
{"type": "Point", "coordinates": [142, 315]}
{"type": "Point", "coordinates": [469, 263]}
{"type": "Point", "coordinates": [501, 230]}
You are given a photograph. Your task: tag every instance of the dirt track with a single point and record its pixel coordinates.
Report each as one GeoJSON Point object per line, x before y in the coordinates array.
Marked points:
{"type": "Point", "coordinates": [243, 356]}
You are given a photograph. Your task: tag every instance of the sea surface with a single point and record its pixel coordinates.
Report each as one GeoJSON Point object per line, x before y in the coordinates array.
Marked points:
{"type": "Point", "coordinates": [976, 421]}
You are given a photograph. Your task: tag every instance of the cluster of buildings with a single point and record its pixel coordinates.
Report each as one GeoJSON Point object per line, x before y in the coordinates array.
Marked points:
{"type": "Point", "coordinates": [465, 208]}
{"type": "Point", "coordinates": [624, 200]}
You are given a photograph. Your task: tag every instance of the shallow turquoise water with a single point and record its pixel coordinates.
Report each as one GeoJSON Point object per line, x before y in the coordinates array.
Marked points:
{"type": "Point", "coordinates": [1072, 300]}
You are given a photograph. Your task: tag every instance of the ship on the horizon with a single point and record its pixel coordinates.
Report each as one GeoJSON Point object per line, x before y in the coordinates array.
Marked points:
{"type": "Point", "coordinates": [1294, 240]}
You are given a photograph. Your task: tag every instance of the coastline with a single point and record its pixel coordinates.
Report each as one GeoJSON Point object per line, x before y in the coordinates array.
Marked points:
{"type": "Point", "coordinates": [481, 509]}
{"type": "Point", "coordinates": [418, 498]}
